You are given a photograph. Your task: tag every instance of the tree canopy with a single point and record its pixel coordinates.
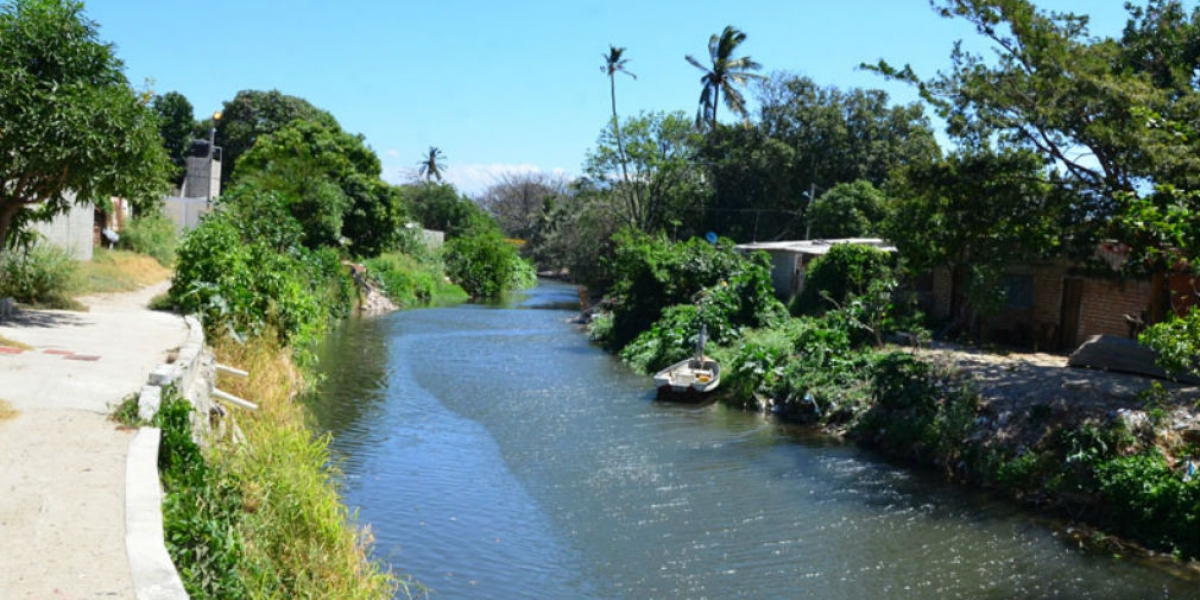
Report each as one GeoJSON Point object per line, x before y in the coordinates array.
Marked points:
{"type": "Point", "coordinates": [177, 128]}
{"type": "Point", "coordinates": [659, 153]}
{"type": "Point", "coordinates": [71, 126]}
{"type": "Point", "coordinates": [255, 113]}
{"type": "Point", "coordinates": [329, 180]}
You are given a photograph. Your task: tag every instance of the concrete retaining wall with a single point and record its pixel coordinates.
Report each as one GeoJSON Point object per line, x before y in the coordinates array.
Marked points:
{"type": "Point", "coordinates": [154, 575]}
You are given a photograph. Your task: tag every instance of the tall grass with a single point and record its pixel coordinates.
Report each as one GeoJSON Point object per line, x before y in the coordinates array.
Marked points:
{"type": "Point", "coordinates": [43, 276]}
{"type": "Point", "coordinates": [412, 281]}
{"type": "Point", "coordinates": [153, 235]}
{"type": "Point", "coordinates": [119, 271]}
{"type": "Point", "coordinates": [300, 539]}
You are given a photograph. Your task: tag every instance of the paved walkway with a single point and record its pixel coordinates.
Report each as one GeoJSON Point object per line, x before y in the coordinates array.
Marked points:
{"type": "Point", "coordinates": [62, 462]}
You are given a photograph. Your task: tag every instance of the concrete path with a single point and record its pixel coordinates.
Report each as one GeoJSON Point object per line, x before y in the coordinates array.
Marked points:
{"type": "Point", "coordinates": [62, 462]}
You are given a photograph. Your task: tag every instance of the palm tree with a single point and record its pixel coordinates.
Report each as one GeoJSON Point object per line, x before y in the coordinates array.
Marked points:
{"type": "Point", "coordinates": [614, 62]}
{"type": "Point", "coordinates": [430, 168]}
{"type": "Point", "coordinates": [726, 73]}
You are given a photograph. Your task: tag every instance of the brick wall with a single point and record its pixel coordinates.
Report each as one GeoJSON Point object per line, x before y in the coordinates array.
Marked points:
{"type": "Point", "coordinates": [1105, 304]}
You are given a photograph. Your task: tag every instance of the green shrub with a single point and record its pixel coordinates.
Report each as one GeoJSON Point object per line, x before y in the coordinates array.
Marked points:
{"type": "Point", "coordinates": [482, 263]}
{"type": "Point", "coordinates": [846, 271]}
{"type": "Point", "coordinates": [651, 273]}
{"type": "Point", "coordinates": [201, 510]}
{"type": "Point", "coordinates": [1150, 501]}
{"type": "Point", "coordinates": [153, 235]}
{"type": "Point", "coordinates": [403, 278]}
{"type": "Point", "coordinates": [249, 277]}
{"type": "Point", "coordinates": [42, 275]}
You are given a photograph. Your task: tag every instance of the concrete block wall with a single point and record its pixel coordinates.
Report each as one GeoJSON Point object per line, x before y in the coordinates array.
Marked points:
{"type": "Point", "coordinates": [71, 230]}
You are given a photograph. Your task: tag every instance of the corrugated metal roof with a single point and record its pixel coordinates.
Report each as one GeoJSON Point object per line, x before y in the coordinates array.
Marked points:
{"type": "Point", "coordinates": [814, 247]}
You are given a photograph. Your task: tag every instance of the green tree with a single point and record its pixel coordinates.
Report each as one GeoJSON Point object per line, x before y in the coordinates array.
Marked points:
{"type": "Point", "coordinates": [847, 210]}
{"type": "Point", "coordinates": [254, 113]}
{"type": "Point", "coordinates": [614, 62]}
{"type": "Point", "coordinates": [723, 76]}
{"type": "Point", "coordinates": [660, 150]}
{"type": "Point", "coordinates": [177, 127]}
{"type": "Point", "coordinates": [754, 194]}
{"type": "Point", "coordinates": [1053, 89]}
{"type": "Point", "coordinates": [482, 263]}
{"type": "Point", "coordinates": [975, 213]}
{"type": "Point", "coordinates": [71, 127]}
{"type": "Point", "coordinates": [431, 166]}
{"type": "Point", "coordinates": [329, 180]}
{"type": "Point", "coordinates": [439, 206]}
{"type": "Point", "coordinates": [841, 136]}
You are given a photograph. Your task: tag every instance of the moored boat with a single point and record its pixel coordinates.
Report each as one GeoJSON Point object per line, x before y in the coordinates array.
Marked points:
{"type": "Point", "coordinates": [691, 378]}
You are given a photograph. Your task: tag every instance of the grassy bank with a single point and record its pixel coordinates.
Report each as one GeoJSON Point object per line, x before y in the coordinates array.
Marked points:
{"type": "Point", "coordinates": [260, 517]}
{"type": "Point", "coordinates": [826, 365]}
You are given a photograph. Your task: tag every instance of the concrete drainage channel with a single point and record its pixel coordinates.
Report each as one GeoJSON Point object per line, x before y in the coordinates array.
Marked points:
{"type": "Point", "coordinates": [154, 575]}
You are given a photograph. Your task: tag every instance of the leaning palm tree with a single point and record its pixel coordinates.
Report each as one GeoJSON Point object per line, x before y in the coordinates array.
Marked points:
{"type": "Point", "coordinates": [614, 62]}
{"type": "Point", "coordinates": [430, 167]}
{"type": "Point", "coordinates": [726, 73]}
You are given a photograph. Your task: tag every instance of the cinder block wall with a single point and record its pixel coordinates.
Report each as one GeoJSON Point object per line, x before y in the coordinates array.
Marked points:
{"type": "Point", "coordinates": [72, 230]}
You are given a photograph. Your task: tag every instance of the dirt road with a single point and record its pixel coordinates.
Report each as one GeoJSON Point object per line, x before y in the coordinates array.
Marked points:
{"type": "Point", "coordinates": [62, 462]}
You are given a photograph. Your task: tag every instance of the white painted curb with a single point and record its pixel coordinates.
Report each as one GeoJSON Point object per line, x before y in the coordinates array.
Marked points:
{"type": "Point", "coordinates": [154, 575]}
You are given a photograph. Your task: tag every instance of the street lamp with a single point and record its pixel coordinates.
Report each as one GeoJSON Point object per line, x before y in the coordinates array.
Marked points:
{"type": "Point", "coordinates": [212, 135]}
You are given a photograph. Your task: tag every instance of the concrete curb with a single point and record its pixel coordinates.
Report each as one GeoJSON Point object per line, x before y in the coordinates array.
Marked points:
{"type": "Point", "coordinates": [154, 575]}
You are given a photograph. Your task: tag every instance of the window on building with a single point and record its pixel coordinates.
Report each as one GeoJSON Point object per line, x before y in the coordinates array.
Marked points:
{"type": "Point", "coordinates": [1018, 291]}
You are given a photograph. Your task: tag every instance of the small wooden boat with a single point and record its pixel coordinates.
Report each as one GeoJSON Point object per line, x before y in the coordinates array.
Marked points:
{"type": "Point", "coordinates": [689, 378]}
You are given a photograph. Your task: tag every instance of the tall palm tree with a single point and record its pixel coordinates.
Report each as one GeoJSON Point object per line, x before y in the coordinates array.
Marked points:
{"type": "Point", "coordinates": [614, 62]}
{"type": "Point", "coordinates": [726, 73]}
{"type": "Point", "coordinates": [430, 167]}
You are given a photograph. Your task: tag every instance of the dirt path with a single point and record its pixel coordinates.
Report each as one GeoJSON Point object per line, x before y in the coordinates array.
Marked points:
{"type": "Point", "coordinates": [62, 462]}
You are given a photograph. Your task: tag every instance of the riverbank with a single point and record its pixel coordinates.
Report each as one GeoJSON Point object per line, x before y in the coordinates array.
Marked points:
{"type": "Point", "coordinates": [1108, 452]}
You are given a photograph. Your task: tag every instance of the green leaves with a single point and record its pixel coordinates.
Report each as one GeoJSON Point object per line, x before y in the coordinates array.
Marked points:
{"type": "Point", "coordinates": [69, 121]}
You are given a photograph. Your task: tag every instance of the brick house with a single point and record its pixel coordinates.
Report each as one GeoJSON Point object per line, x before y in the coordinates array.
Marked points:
{"type": "Point", "coordinates": [1056, 305]}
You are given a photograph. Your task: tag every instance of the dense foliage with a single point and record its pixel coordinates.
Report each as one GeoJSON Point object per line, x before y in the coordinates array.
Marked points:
{"type": "Point", "coordinates": [71, 127]}
{"type": "Point", "coordinates": [152, 234]}
{"type": "Point", "coordinates": [252, 114]}
{"type": "Point", "coordinates": [245, 271]}
{"type": "Point", "coordinates": [730, 291]}
{"type": "Point", "coordinates": [847, 271]}
{"type": "Point", "coordinates": [486, 265]}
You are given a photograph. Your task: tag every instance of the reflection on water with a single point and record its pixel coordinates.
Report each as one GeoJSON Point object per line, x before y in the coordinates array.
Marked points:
{"type": "Point", "coordinates": [495, 454]}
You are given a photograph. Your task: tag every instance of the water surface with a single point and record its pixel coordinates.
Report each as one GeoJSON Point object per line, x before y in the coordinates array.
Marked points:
{"type": "Point", "coordinates": [496, 454]}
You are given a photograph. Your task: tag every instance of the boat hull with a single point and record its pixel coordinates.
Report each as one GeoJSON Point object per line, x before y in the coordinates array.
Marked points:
{"type": "Point", "coordinates": [693, 378]}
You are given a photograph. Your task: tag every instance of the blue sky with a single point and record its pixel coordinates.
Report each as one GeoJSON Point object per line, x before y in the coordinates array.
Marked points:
{"type": "Point", "coordinates": [510, 86]}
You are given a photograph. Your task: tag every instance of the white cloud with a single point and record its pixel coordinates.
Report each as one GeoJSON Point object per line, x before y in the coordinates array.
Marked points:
{"type": "Point", "coordinates": [471, 179]}
{"type": "Point", "coordinates": [392, 153]}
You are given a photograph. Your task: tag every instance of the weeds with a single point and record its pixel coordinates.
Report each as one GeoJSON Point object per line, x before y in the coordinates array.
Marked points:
{"type": "Point", "coordinates": [42, 276]}
{"type": "Point", "coordinates": [153, 235]}
{"type": "Point", "coordinates": [119, 271]}
{"type": "Point", "coordinates": [126, 412]}
{"type": "Point", "coordinates": [303, 541]}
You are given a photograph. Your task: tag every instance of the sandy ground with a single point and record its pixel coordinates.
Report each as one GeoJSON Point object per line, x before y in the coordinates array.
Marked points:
{"type": "Point", "coordinates": [1013, 384]}
{"type": "Point", "coordinates": [62, 462]}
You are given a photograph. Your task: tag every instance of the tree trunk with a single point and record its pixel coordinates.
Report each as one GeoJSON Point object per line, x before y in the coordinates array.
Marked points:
{"type": "Point", "coordinates": [7, 212]}
{"type": "Point", "coordinates": [634, 198]}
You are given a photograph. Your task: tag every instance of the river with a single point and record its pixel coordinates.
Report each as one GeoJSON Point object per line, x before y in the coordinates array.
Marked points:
{"type": "Point", "coordinates": [495, 453]}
